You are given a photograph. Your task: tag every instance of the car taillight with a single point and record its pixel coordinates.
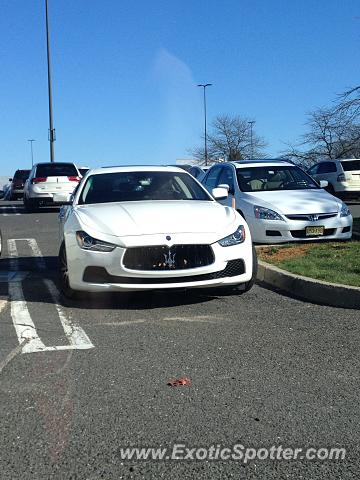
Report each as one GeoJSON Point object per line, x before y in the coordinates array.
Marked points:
{"type": "Point", "coordinates": [74, 179]}
{"type": "Point", "coordinates": [39, 179]}
{"type": "Point", "coordinates": [341, 177]}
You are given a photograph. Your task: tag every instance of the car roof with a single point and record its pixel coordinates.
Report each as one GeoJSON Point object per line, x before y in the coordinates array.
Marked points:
{"type": "Point", "coordinates": [54, 163]}
{"type": "Point", "coordinates": [136, 168]}
{"type": "Point", "coordinates": [276, 162]}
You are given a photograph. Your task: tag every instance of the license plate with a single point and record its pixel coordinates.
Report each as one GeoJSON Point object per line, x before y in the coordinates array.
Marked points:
{"type": "Point", "coordinates": [314, 231]}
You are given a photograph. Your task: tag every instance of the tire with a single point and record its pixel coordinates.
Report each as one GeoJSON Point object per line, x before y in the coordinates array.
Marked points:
{"type": "Point", "coordinates": [31, 205]}
{"type": "Point", "coordinates": [250, 283]}
{"type": "Point", "coordinates": [65, 288]}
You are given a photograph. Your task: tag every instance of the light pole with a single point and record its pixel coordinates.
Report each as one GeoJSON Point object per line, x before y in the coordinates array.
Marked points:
{"type": "Point", "coordinates": [32, 154]}
{"type": "Point", "coordinates": [51, 126]}
{"type": "Point", "coordinates": [204, 85]}
{"type": "Point", "coordinates": [251, 138]}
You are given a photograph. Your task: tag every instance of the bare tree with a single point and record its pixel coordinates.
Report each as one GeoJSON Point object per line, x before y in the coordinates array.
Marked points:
{"type": "Point", "coordinates": [332, 132]}
{"type": "Point", "coordinates": [230, 138]}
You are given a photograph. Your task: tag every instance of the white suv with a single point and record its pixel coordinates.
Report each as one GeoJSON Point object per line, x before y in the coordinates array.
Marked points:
{"type": "Point", "coordinates": [50, 184]}
{"type": "Point", "coordinates": [342, 175]}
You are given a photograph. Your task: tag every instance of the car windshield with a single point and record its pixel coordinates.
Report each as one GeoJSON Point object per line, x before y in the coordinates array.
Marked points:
{"type": "Point", "coordinates": [268, 178]}
{"type": "Point", "coordinates": [21, 174]}
{"type": "Point", "coordinates": [56, 170]}
{"type": "Point", "coordinates": [139, 186]}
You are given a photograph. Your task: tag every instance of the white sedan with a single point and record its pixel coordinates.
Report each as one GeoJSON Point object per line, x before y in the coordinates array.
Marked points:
{"type": "Point", "coordinates": [280, 202]}
{"type": "Point", "coordinates": [145, 228]}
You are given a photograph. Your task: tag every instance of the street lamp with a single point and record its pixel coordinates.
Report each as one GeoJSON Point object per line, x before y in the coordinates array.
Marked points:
{"type": "Point", "coordinates": [51, 126]}
{"type": "Point", "coordinates": [204, 85]}
{"type": "Point", "coordinates": [251, 138]}
{"type": "Point", "coordinates": [32, 154]}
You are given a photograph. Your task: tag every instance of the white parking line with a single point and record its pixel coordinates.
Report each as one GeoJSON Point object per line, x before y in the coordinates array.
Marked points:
{"type": "Point", "coordinates": [24, 326]}
{"type": "Point", "coordinates": [13, 210]}
{"type": "Point", "coordinates": [3, 304]}
{"type": "Point", "coordinates": [13, 252]}
{"type": "Point", "coordinates": [75, 334]}
{"type": "Point", "coordinates": [23, 323]}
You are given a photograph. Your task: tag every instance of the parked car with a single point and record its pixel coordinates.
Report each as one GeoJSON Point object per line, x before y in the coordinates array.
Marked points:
{"type": "Point", "coordinates": [197, 172]}
{"type": "Point", "coordinates": [280, 202]}
{"type": "Point", "coordinates": [145, 228]}
{"type": "Point", "coordinates": [17, 184]}
{"type": "Point", "coordinates": [342, 175]}
{"type": "Point", "coordinates": [50, 184]}
{"type": "Point", "coordinates": [6, 190]}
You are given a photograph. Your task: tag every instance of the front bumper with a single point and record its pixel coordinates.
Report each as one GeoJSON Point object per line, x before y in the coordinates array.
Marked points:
{"type": "Point", "coordinates": [100, 271]}
{"type": "Point", "coordinates": [272, 231]}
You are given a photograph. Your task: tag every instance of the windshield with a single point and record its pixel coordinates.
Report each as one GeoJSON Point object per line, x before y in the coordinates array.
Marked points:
{"type": "Point", "coordinates": [56, 170]}
{"type": "Point", "coordinates": [21, 174]}
{"type": "Point", "coordinates": [255, 179]}
{"type": "Point", "coordinates": [139, 186]}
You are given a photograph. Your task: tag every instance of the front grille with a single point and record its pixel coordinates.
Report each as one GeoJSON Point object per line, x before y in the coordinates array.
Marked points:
{"type": "Point", "coordinates": [161, 257]}
{"type": "Point", "coordinates": [302, 233]}
{"type": "Point", "coordinates": [311, 217]}
{"type": "Point", "coordinates": [100, 275]}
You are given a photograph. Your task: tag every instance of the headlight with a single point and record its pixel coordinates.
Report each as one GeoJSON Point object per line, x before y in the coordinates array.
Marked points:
{"type": "Point", "coordinates": [89, 243]}
{"type": "Point", "coordinates": [235, 238]}
{"type": "Point", "coordinates": [344, 212]}
{"type": "Point", "coordinates": [266, 214]}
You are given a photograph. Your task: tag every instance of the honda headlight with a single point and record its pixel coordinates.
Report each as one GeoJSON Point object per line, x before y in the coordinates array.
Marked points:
{"type": "Point", "coordinates": [344, 212]}
{"type": "Point", "coordinates": [86, 242]}
{"type": "Point", "coordinates": [235, 238]}
{"type": "Point", "coordinates": [266, 214]}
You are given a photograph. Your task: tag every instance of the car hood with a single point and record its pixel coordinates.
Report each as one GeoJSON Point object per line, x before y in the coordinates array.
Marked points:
{"type": "Point", "coordinates": [154, 217]}
{"type": "Point", "coordinates": [296, 201]}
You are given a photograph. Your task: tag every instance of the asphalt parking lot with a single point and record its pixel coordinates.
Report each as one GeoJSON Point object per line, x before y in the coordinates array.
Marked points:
{"type": "Point", "coordinates": [80, 380]}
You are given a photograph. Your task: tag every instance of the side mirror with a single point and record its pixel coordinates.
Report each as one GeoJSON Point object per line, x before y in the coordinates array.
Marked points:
{"type": "Point", "coordinates": [10, 179]}
{"type": "Point", "coordinates": [323, 183]}
{"type": "Point", "coordinates": [220, 192]}
{"type": "Point", "coordinates": [229, 189]}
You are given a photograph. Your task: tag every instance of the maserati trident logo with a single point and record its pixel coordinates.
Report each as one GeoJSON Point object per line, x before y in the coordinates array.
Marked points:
{"type": "Point", "coordinates": [169, 259]}
{"type": "Point", "coordinates": [313, 218]}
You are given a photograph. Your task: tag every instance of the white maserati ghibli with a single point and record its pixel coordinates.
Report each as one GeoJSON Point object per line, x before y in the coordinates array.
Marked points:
{"type": "Point", "coordinates": [145, 228]}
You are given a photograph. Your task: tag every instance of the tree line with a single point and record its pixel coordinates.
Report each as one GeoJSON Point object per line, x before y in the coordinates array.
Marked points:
{"type": "Point", "coordinates": [331, 132]}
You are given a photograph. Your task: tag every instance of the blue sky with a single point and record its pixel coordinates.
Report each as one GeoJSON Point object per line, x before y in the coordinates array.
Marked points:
{"type": "Point", "coordinates": [124, 73]}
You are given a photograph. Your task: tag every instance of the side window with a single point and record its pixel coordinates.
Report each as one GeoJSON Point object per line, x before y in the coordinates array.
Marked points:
{"type": "Point", "coordinates": [226, 177]}
{"type": "Point", "coordinates": [313, 170]}
{"type": "Point", "coordinates": [212, 176]}
{"type": "Point", "coordinates": [327, 167]}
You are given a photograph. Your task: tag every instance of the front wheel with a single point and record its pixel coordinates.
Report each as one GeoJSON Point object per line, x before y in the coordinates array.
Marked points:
{"type": "Point", "coordinates": [65, 288]}
{"type": "Point", "coordinates": [250, 283]}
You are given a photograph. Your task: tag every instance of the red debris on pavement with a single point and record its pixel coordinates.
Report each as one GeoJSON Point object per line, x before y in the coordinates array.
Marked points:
{"type": "Point", "coordinates": [179, 381]}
